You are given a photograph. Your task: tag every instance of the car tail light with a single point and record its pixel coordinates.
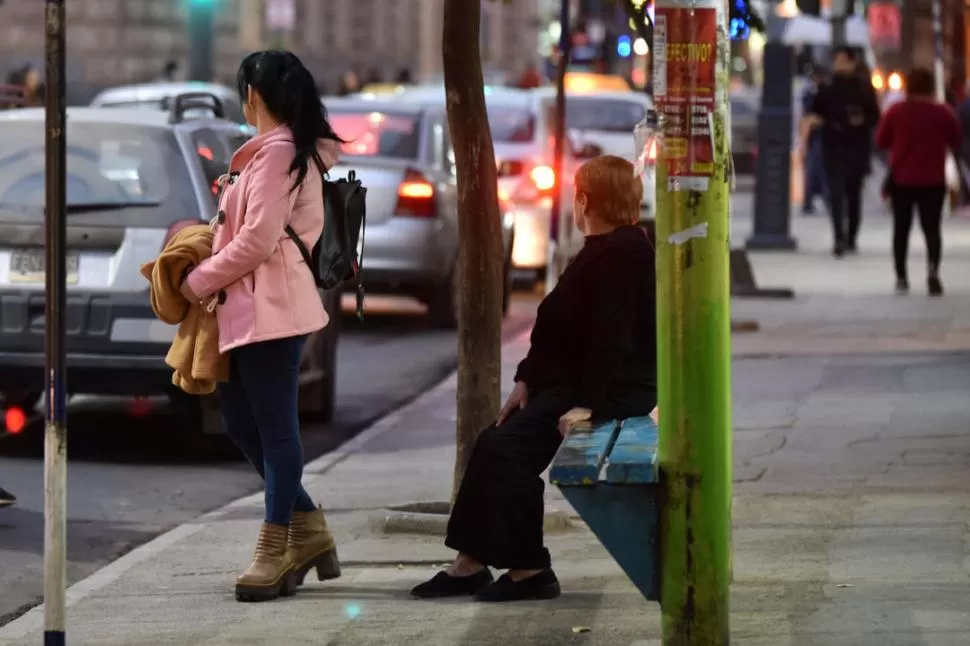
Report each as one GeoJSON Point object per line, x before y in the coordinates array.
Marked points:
{"type": "Point", "coordinates": [15, 420]}
{"type": "Point", "coordinates": [176, 227]}
{"type": "Point", "coordinates": [416, 196]}
{"type": "Point", "coordinates": [507, 168]}
{"type": "Point", "coordinates": [544, 178]}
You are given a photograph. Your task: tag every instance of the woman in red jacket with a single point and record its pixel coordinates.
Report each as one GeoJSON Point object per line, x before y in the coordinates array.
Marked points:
{"type": "Point", "coordinates": [919, 133]}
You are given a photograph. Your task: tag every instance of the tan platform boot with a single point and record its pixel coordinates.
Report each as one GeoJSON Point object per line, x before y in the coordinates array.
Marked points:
{"type": "Point", "coordinates": [272, 573]}
{"type": "Point", "coordinates": [313, 546]}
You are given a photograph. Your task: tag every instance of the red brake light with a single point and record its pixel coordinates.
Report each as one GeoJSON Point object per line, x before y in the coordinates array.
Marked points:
{"type": "Point", "coordinates": [416, 196]}
{"type": "Point", "coordinates": [15, 420]}
{"type": "Point", "coordinates": [543, 177]}
{"type": "Point", "coordinates": [176, 227]}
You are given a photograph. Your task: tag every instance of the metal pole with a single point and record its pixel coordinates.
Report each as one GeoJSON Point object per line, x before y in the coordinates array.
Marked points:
{"type": "Point", "coordinates": [693, 319]}
{"type": "Point", "coordinates": [55, 429]}
{"type": "Point", "coordinates": [556, 228]}
{"type": "Point", "coordinates": [840, 10]}
{"type": "Point", "coordinates": [200, 41]}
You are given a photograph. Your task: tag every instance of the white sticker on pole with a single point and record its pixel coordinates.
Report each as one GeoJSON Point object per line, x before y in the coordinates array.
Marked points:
{"type": "Point", "coordinates": [660, 57]}
{"type": "Point", "coordinates": [681, 237]}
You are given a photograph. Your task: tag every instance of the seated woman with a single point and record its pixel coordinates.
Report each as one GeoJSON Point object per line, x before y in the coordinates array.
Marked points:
{"type": "Point", "coordinates": [593, 355]}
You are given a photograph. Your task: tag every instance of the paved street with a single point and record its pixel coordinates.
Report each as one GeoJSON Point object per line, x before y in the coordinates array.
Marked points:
{"type": "Point", "coordinates": [130, 480]}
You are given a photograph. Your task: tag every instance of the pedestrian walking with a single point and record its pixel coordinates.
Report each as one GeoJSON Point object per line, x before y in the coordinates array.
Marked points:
{"type": "Point", "coordinates": [269, 305]}
{"type": "Point", "coordinates": [814, 169]}
{"type": "Point", "coordinates": [919, 134]}
{"type": "Point", "coordinates": [846, 111]}
{"type": "Point", "coordinates": [593, 355]}
{"type": "Point", "coordinates": [7, 499]}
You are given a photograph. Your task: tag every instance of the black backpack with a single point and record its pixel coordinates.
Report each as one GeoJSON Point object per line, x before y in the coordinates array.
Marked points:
{"type": "Point", "coordinates": [333, 259]}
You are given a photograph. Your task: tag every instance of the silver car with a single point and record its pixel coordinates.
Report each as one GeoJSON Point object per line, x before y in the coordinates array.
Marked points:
{"type": "Point", "coordinates": [158, 96]}
{"type": "Point", "coordinates": [133, 177]}
{"type": "Point", "coordinates": [522, 127]}
{"type": "Point", "coordinates": [402, 153]}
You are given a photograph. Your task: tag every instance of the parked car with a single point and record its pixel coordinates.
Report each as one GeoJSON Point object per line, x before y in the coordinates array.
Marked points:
{"type": "Point", "coordinates": [522, 136]}
{"type": "Point", "coordinates": [402, 153]}
{"type": "Point", "coordinates": [158, 96]}
{"type": "Point", "coordinates": [133, 178]}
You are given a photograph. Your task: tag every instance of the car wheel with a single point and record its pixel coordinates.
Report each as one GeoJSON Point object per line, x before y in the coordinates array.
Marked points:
{"type": "Point", "coordinates": [443, 302]}
{"type": "Point", "coordinates": [318, 372]}
{"type": "Point", "coordinates": [204, 437]}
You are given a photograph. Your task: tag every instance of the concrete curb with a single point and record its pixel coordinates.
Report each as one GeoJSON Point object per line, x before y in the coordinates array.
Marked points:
{"type": "Point", "coordinates": [33, 620]}
{"type": "Point", "coordinates": [431, 519]}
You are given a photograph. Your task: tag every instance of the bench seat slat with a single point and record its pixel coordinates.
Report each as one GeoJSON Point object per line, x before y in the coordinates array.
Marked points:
{"type": "Point", "coordinates": [581, 456]}
{"type": "Point", "coordinates": [633, 459]}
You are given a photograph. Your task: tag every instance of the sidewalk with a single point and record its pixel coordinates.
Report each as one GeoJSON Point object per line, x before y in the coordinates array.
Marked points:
{"type": "Point", "coordinates": [851, 522]}
{"type": "Point", "coordinates": [847, 305]}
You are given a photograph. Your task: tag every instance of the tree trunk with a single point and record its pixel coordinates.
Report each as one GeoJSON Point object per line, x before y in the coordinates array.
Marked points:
{"type": "Point", "coordinates": [480, 255]}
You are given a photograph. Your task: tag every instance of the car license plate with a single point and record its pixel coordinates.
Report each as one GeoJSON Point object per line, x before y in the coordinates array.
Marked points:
{"type": "Point", "coordinates": [28, 266]}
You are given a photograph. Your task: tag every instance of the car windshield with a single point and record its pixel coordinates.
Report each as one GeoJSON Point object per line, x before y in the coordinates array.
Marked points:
{"type": "Point", "coordinates": [511, 125]}
{"type": "Point", "coordinates": [370, 133]}
{"type": "Point", "coordinates": [134, 172]}
{"type": "Point", "coordinates": [598, 114]}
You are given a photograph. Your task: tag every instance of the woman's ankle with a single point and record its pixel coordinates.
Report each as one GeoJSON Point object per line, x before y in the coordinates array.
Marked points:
{"type": "Point", "coordinates": [464, 565]}
{"type": "Point", "coordinates": [521, 575]}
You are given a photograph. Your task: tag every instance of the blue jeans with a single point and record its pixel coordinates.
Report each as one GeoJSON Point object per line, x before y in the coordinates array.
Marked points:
{"type": "Point", "coordinates": [815, 180]}
{"type": "Point", "coordinates": [259, 406]}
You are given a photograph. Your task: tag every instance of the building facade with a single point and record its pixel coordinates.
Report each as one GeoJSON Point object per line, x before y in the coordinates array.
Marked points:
{"type": "Point", "coordinates": [112, 42]}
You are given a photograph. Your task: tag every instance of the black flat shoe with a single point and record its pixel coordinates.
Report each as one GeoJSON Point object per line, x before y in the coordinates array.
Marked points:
{"type": "Point", "coordinates": [443, 585]}
{"type": "Point", "coordinates": [935, 286]}
{"type": "Point", "coordinates": [540, 586]}
{"type": "Point", "coordinates": [7, 499]}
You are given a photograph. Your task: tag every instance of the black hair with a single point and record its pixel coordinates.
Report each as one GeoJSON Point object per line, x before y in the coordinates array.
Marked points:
{"type": "Point", "coordinates": [920, 82]}
{"type": "Point", "coordinates": [848, 50]}
{"type": "Point", "coordinates": [290, 94]}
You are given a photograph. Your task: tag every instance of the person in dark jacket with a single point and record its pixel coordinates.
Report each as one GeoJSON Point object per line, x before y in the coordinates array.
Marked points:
{"type": "Point", "coordinates": [593, 355]}
{"type": "Point", "coordinates": [919, 133]}
{"type": "Point", "coordinates": [847, 111]}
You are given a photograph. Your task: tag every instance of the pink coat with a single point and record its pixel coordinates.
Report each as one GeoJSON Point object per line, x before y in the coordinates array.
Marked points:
{"type": "Point", "coordinates": [269, 291]}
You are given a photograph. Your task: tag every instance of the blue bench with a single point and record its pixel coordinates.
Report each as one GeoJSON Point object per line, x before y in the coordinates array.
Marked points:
{"type": "Point", "coordinates": [621, 502]}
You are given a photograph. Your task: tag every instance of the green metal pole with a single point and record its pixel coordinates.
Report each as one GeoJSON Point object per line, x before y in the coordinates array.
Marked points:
{"type": "Point", "coordinates": [693, 321]}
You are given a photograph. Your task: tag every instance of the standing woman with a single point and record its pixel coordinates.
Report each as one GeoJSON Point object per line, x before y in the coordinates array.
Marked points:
{"type": "Point", "coordinates": [269, 305]}
{"type": "Point", "coordinates": [919, 133]}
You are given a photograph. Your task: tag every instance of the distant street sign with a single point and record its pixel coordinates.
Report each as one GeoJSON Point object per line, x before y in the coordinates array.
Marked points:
{"type": "Point", "coordinates": [280, 15]}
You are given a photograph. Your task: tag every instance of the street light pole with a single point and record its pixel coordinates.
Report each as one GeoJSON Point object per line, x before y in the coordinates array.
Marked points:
{"type": "Point", "coordinates": [557, 238]}
{"type": "Point", "coordinates": [200, 40]}
{"type": "Point", "coordinates": [55, 428]}
{"type": "Point", "coordinates": [840, 11]}
{"type": "Point", "coordinates": [691, 73]}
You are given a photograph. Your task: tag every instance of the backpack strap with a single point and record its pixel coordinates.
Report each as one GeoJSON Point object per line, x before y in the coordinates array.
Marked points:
{"type": "Point", "coordinates": [291, 234]}
{"type": "Point", "coordinates": [302, 247]}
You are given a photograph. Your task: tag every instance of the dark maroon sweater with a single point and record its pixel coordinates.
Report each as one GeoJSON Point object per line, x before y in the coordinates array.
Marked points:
{"type": "Point", "coordinates": [918, 136]}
